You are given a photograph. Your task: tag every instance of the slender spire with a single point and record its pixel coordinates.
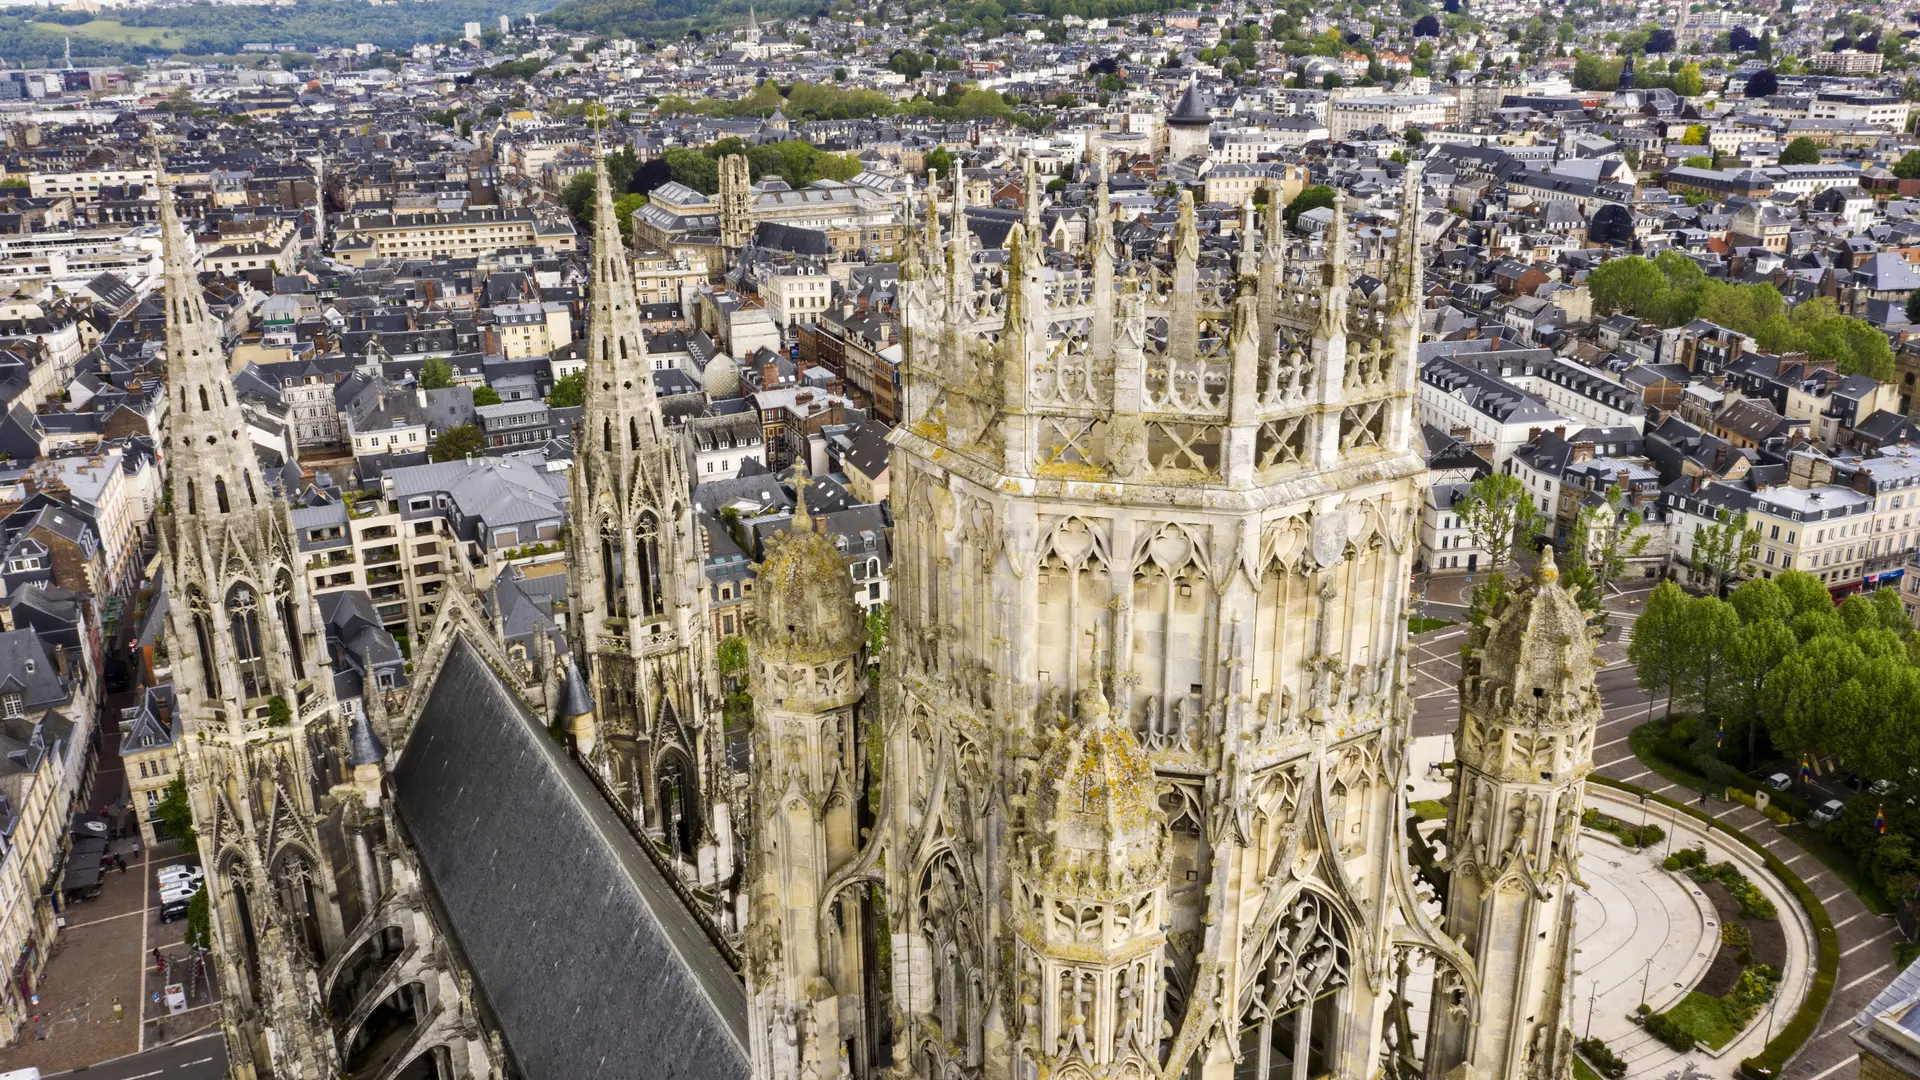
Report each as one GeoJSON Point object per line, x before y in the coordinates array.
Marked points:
{"type": "Point", "coordinates": [211, 449]}
{"type": "Point", "coordinates": [1406, 261]}
{"type": "Point", "coordinates": [1032, 200]}
{"type": "Point", "coordinates": [1333, 309]}
{"type": "Point", "coordinates": [1249, 240]}
{"type": "Point", "coordinates": [621, 411]}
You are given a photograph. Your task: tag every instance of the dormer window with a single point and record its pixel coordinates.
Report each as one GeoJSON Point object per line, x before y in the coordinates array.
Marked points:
{"type": "Point", "coordinates": [11, 706]}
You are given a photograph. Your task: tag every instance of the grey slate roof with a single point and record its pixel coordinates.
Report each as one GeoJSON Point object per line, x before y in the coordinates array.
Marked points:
{"type": "Point", "coordinates": [539, 878]}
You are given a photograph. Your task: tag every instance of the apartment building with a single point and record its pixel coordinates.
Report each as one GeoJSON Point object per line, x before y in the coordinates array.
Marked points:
{"type": "Point", "coordinates": [43, 775]}
{"type": "Point", "coordinates": [1481, 409]}
{"type": "Point", "coordinates": [101, 487]}
{"type": "Point", "coordinates": [1822, 529]}
{"type": "Point", "coordinates": [519, 330]}
{"type": "Point", "coordinates": [149, 749]}
{"type": "Point", "coordinates": [462, 234]}
{"type": "Point", "coordinates": [431, 524]}
{"type": "Point", "coordinates": [796, 294]}
{"type": "Point", "coordinates": [1348, 115]}
{"type": "Point", "coordinates": [720, 445]}
{"type": "Point", "coordinates": [84, 185]}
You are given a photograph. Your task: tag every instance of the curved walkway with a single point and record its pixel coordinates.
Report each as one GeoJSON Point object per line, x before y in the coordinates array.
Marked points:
{"type": "Point", "coordinates": [1865, 939]}
{"type": "Point", "coordinates": [1622, 880]}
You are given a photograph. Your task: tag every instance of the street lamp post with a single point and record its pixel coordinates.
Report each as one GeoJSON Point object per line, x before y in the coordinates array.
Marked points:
{"type": "Point", "coordinates": [1591, 999]}
{"type": "Point", "coordinates": [1646, 980]}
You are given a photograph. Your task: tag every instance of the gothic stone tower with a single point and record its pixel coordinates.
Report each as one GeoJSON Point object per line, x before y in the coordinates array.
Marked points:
{"type": "Point", "coordinates": [736, 199]}
{"type": "Point", "coordinates": [1528, 712]}
{"type": "Point", "coordinates": [809, 779]}
{"type": "Point", "coordinates": [637, 591]}
{"type": "Point", "coordinates": [256, 698]}
{"type": "Point", "coordinates": [1220, 515]}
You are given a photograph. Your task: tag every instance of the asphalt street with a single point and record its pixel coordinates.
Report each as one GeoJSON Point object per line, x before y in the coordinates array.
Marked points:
{"type": "Point", "coordinates": [1866, 940]}
{"type": "Point", "coordinates": [203, 1057]}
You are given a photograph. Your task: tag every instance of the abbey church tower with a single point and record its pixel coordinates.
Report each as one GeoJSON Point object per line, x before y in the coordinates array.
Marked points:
{"type": "Point", "coordinates": [636, 589]}
{"type": "Point", "coordinates": [256, 698]}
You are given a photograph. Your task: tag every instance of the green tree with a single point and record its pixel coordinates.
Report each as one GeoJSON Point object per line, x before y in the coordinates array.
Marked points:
{"type": "Point", "coordinates": [1751, 654]}
{"type": "Point", "coordinates": [1310, 198]}
{"type": "Point", "coordinates": [1604, 536]}
{"type": "Point", "coordinates": [1761, 600]}
{"type": "Point", "coordinates": [1662, 657]}
{"type": "Point", "coordinates": [1631, 285]}
{"type": "Point", "coordinates": [174, 814]}
{"type": "Point", "coordinates": [1908, 167]}
{"type": "Point", "coordinates": [486, 395]}
{"type": "Point", "coordinates": [732, 655]}
{"type": "Point", "coordinates": [458, 443]}
{"type": "Point", "coordinates": [1724, 550]}
{"type": "Point", "coordinates": [939, 163]}
{"type": "Point", "coordinates": [1708, 625]}
{"type": "Point", "coordinates": [1687, 81]}
{"type": "Point", "coordinates": [199, 921]}
{"type": "Point", "coordinates": [568, 392]}
{"type": "Point", "coordinates": [435, 374]}
{"type": "Point", "coordinates": [1802, 694]}
{"type": "Point", "coordinates": [1498, 513]}
{"type": "Point", "coordinates": [1696, 135]}
{"type": "Point", "coordinates": [1801, 151]}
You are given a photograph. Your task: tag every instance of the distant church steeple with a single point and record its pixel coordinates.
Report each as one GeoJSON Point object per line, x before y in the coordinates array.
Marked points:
{"type": "Point", "coordinates": [1626, 73]}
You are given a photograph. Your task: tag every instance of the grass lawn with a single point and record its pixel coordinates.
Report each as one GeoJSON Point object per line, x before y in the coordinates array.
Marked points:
{"type": "Point", "coordinates": [1429, 809]}
{"type": "Point", "coordinates": [111, 30]}
{"type": "Point", "coordinates": [1705, 1018]}
{"type": "Point", "coordinates": [1582, 1070]}
{"type": "Point", "coordinates": [1420, 624]}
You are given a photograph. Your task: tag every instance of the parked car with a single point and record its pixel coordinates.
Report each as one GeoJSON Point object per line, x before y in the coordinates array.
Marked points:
{"type": "Point", "coordinates": [1880, 787]}
{"type": "Point", "coordinates": [1779, 781]}
{"type": "Point", "coordinates": [1827, 811]}
{"type": "Point", "coordinates": [173, 875]}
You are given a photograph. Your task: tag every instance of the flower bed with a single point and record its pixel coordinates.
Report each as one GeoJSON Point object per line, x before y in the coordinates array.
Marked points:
{"type": "Point", "coordinates": [1788, 1041]}
{"type": "Point", "coordinates": [1629, 834]}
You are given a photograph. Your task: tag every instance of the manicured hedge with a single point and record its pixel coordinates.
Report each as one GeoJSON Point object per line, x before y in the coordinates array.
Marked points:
{"type": "Point", "coordinates": [1790, 1038]}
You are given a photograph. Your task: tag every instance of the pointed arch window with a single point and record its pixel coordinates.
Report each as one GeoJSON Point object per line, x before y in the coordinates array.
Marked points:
{"type": "Point", "coordinates": [203, 641]}
{"type": "Point", "coordinates": [205, 405]}
{"type": "Point", "coordinates": [647, 551]}
{"type": "Point", "coordinates": [290, 622]}
{"type": "Point", "coordinates": [606, 436]}
{"type": "Point", "coordinates": [613, 570]}
{"type": "Point", "coordinates": [247, 475]}
{"type": "Point", "coordinates": [220, 493]}
{"type": "Point", "coordinates": [193, 501]}
{"type": "Point", "coordinates": [243, 623]}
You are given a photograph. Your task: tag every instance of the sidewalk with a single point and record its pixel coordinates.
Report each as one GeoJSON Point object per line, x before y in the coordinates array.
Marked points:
{"type": "Point", "coordinates": [1645, 1056]}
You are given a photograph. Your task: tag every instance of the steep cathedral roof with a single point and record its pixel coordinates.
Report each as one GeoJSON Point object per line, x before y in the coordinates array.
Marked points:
{"type": "Point", "coordinates": [580, 947]}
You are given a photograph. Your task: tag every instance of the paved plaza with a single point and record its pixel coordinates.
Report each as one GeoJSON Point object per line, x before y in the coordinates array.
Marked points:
{"type": "Point", "coordinates": [1646, 934]}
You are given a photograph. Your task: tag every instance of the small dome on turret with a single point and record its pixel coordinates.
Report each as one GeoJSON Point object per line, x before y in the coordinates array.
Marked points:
{"type": "Point", "coordinates": [1095, 825]}
{"type": "Point", "coordinates": [803, 597]}
{"type": "Point", "coordinates": [1537, 643]}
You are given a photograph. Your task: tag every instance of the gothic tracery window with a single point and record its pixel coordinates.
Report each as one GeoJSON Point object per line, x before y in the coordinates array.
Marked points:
{"type": "Point", "coordinates": [243, 622]}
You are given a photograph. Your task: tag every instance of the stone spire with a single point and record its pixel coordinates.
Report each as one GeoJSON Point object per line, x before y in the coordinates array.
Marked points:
{"type": "Point", "coordinates": [1031, 200]}
{"type": "Point", "coordinates": [212, 454]}
{"type": "Point", "coordinates": [621, 411]}
{"type": "Point", "coordinates": [1333, 309]}
{"type": "Point", "coordinates": [1405, 273]}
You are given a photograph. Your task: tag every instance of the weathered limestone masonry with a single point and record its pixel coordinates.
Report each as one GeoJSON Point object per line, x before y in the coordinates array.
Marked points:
{"type": "Point", "coordinates": [1145, 702]}
{"type": "Point", "coordinates": [1528, 711]}
{"type": "Point", "coordinates": [637, 589]}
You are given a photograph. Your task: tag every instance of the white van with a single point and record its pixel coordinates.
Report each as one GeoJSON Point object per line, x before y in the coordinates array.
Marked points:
{"type": "Point", "coordinates": [21, 1074]}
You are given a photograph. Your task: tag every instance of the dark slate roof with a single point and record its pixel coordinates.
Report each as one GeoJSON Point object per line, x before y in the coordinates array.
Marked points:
{"type": "Point", "coordinates": [541, 881]}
